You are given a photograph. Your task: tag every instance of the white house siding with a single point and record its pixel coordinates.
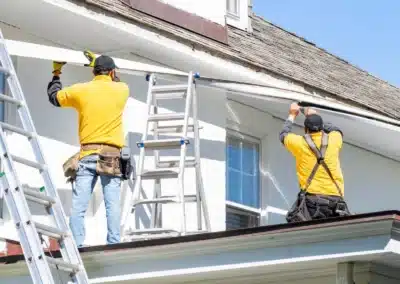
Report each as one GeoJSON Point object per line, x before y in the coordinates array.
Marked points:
{"type": "Point", "coordinates": [371, 180]}
{"type": "Point", "coordinates": [58, 130]}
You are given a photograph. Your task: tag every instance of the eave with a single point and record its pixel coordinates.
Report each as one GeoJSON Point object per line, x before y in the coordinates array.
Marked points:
{"type": "Point", "coordinates": [253, 252]}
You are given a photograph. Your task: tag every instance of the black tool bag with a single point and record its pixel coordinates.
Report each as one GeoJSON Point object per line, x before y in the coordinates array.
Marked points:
{"type": "Point", "coordinates": [126, 165]}
{"type": "Point", "coordinates": [299, 211]}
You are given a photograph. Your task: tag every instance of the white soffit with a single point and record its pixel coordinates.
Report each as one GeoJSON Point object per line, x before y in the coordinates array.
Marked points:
{"type": "Point", "coordinates": [38, 51]}
{"type": "Point", "coordinates": [359, 123]}
{"type": "Point", "coordinates": [376, 136]}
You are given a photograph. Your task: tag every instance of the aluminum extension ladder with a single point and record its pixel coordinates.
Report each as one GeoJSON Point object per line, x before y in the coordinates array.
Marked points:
{"type": "Point", "coordinates": [167, 169]}
{"type": "Point", "coordinates": [16, 195]}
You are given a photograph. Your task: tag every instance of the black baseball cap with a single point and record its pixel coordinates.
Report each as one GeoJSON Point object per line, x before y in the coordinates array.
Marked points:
{"type": "Point", "coordinates": [104, 62]}
{"type": "Point", "coordinates": [314, 123]}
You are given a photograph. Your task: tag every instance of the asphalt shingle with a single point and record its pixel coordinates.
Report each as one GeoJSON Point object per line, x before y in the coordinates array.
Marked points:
{"type": "Point", "coordinates": [272, 49]}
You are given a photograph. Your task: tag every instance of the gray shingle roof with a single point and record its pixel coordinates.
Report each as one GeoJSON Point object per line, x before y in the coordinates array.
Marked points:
{"type": "Point", "coordinates": [273, 49]}
{"type": "Point", "coordinates": [287, 54]}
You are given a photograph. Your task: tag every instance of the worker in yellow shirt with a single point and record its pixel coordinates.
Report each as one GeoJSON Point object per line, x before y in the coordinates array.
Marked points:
{"type": "Point", "coordinates": [100, 104]}
{"type": "Point", "coordinates": [318, 167]}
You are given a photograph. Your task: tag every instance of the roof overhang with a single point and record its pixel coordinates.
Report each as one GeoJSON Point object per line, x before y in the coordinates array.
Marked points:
{"type": "Point", "coordinates": [256, 253]}
{"type": "Point", "coordinates": [366, 129]}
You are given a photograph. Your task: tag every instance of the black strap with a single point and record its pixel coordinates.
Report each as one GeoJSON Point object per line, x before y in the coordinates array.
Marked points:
{"type": "Point", "coordinates": [320, 155]}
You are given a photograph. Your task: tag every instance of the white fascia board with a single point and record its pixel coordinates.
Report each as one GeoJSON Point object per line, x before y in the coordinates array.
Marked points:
{"type": "Point", "coordinates": [30, 50]}
{"type": "Point", "coordinates": [285, 237]}
{"type": "Point", "coordinates": [285, 250]}
{"type": "Point", "coordinates": [39, 51]}
{"type": "Point", "coordinates": [240, 267]}
{"type": "Point", "coordinates": [283, 94]}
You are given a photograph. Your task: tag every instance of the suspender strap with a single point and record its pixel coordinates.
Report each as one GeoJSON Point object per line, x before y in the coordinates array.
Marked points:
{"type": "Point", "coordinates": [320, 155]}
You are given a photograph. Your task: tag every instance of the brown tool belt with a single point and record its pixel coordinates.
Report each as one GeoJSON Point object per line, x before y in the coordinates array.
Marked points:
{"type": "Point", "coordinates": [109, 158]}
{"type": "Point", "coordinates": [108, 162]}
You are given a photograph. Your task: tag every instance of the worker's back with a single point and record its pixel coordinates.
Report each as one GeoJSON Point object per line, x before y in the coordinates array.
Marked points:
{"type": "Point", "coordinates": [306, 160]}
{"type": "Point", "coordinates": [100, 104]}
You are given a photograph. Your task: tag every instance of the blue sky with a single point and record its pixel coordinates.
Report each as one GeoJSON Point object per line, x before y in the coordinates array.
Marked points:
{"type": "Point", "coordinates": [364, 32]}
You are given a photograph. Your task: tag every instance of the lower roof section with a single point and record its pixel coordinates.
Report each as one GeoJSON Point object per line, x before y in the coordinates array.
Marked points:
{"type": "Point", "coordinates": [244, 254]}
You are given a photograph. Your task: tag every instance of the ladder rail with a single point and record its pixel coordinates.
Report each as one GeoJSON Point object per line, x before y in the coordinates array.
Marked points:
{"type": "Point", "coordinates": [38, 267]}
{"type": "Point", "coordinates": [181, 175]}
{"type": "Point", "coordinates": [140, 164]}
{"type": "Point", "coordinates": [197, 160]}
{"type": "Point", "coordinates": [68, 248]}
{"type": "Point", "coordinates": [201, 202]}
{"type": "Point", "coordinates": [155, 207]}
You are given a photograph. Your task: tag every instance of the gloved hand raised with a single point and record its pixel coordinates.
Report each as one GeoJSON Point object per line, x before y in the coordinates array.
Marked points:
{"type": "Point", "coordinates": [57, 66]}
{"type": "Point", "coordinates": [91, 57]}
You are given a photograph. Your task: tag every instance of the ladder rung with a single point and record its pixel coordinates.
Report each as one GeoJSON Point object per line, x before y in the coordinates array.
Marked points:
{"type": "Point", "coordinates": [166, 199]}
{"type": "Point", "coordinates": [170, 96]}
{"type": "Point", "coordinates": [170, 92]}
{"type": "Point", "coordinates": [10, 100]}
{"type": "Point", "coordinates": [5, 71]}
{"type": "Point", "coordinates": [160, 173]}
{"type": "Point", "coordinates": [163, 144]}
{"type": "Point", "coordinates": [15, 129]}
{"type": "Point", "coordinates": [38, 197]}
{"type": "Point", "coordinates": [174, 163]}
{"type": "Point", "coordinates": [28, 163]}
{"type": "Point", "coordinates": [173, 128]}
{"type": "Point", "coordinates": [152, 231]}
{"type": "Point", "coordinates": [166, 116]}
{"type": "Point", "coordinates": [50, 231]}
{"type": "Point", "coordinates": [61, 264]}
{"type": "Point", "coordinates": [161, 200]}
{"type": "Point", "coordinates": [169, 88]}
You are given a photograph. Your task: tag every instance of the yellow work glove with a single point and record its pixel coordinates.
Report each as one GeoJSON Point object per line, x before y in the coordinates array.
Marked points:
{"type": "Point", "coordinates": [91, 57]}
{"type": "Point", "coordinates": [57, 66]}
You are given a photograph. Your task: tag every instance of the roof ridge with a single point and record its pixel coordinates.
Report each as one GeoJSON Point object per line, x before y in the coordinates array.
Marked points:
{"type": "Point", "coordinates": [353, 65]}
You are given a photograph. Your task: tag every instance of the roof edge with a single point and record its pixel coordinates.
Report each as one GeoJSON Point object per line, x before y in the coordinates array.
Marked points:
{"type": "Point", "coordinates": [262, 232]}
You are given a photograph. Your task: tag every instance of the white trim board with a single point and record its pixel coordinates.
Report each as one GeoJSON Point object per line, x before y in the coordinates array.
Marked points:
{"type": "Point", "coordinates": [25, 49]}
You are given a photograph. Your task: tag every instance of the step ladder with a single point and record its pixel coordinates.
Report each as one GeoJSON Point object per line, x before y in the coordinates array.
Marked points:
{"type": "Point", "coordinates": [16, 195]}
{"type": "Point", "coordinates": [167, 169]}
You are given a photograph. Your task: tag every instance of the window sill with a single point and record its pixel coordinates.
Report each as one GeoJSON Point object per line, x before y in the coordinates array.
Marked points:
{"type": "Point", "coordinates": [243, 207]}
{"type": "Point", "coordinates": [233, 16]}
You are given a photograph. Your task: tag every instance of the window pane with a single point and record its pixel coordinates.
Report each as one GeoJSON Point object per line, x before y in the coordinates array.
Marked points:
{"type": "Point", "coordinates": [232, 6]}
{"type": "Point", "coordinates": [250, 191]}
{"type": "Point", "coordinates": [242, 172]}
{"type": "Point", "coordinates": [248, 157]}
{"type": "Point", "coordinates": [234, 192]}
{"type": "Point", "coordinates": [233, 153]}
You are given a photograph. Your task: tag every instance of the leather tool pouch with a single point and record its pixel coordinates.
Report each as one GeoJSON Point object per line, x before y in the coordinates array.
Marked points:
{"type": "Point", "coordinates": [126, 163]}
{"type": "Point", "coordinates": [341, 209]}
{"type": "Point", "coordinates": [70, 167]}
{"type": "Point", "coordinates": [299, 211]}
{"type": "Point", "coordinates": [109, 161]}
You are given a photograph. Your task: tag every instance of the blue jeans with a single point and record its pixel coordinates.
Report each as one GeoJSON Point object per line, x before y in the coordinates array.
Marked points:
{"type": "Point", "coordinates": [85, 181]}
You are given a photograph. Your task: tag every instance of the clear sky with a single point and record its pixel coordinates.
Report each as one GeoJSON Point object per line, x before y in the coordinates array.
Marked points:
{"type": "Point", "coordinates": [366, 33]}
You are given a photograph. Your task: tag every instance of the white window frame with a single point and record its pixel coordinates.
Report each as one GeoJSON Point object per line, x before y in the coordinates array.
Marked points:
{"type": "Point", "coordinates": [239, 206]}
{"type": "Point", "coordinates": [231, 13]}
